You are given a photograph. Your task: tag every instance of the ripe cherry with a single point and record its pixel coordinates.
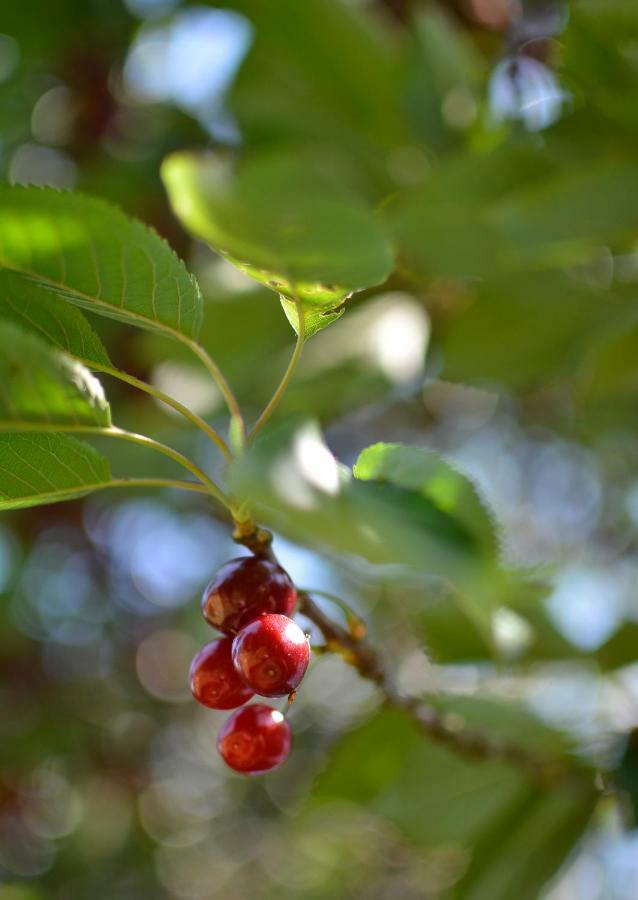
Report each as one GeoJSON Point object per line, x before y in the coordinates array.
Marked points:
{"type": "Point", "coordinates": [245, 588]}
{"type": "Point", "coordinates": [271, 654]}
{"type": "Point", "coordinates": [214, 681]}
{"type": "Point", "coordinates": [254, 739]}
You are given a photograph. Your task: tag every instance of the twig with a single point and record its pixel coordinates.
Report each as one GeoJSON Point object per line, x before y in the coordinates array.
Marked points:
{"type": "Point", "coordinates": [445, 728]}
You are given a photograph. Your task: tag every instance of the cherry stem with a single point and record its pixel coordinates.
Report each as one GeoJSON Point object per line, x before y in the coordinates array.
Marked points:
{"type": "Point", "coordinates": [275, 400]}
{"type": "Point", "coordinates": [223, 385]}
{"type": "Point", "coordinates": [257, 540]}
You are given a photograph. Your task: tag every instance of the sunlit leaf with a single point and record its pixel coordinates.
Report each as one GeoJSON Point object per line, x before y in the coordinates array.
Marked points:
{"type": "Point", "coordinates": [41, 385]}
{"type": "Point", "coordinates": [314, 319]}
{"type": "Point", "coordinates": [36, 309]}
{"type": "Point", "coordinates": [39, 469]}
{"type": "Point", "coordinates": [95, 256]}
{"type": "Point", "coordinates": [287, 227]}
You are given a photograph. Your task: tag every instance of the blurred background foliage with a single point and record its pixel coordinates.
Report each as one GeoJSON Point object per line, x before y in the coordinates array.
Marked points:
{"type": "Point", "coordinates": [496, 140]}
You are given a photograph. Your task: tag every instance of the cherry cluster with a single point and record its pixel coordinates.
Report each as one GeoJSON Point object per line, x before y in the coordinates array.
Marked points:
{"type": "Point", "coordinates": [263, 652]}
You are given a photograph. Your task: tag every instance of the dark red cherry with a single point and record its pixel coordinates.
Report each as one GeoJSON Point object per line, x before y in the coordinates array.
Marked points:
{"type": "Point", "coordinates": [214, 681]}
{"type": "Point", "coordinates": [271, 654]}
{"type": "Point", "coordinates": [255, 739]}
{"type": "Point", "coordinates": [245, 588]}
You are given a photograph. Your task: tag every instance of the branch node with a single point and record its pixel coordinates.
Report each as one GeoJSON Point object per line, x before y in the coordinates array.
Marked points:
{"type": "Point", "coordinates": [257, 540]}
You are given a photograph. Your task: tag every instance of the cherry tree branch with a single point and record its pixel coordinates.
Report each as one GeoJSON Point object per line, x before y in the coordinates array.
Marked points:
{"type": "Point", "coordinates": [443, 727]}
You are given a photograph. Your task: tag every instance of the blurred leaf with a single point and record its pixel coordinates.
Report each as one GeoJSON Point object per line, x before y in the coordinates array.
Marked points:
{"type": "Point", "coordinates": [321, 74]}
{"type": "Point", "coordinates": [41, 385]}
{"type": "Point", "coordinates": [600, 66]}
{"type": "Point", "coordinates": [93, 255]}
{"type": "Point", "coordinates": [438, 238]}
{"type": "Point", "coordinates": [29, 306]}
{"type": "Point", "coordinates": [520, 265]}
{"type": "Point", "coordinates": [559, 220]}
{"type": "Point", "coordinates": [608, 385]}
{"type": "Point", "coordinates": [284, 225]}
{"type": "Point", "coordinates": [518, 210]}
{"type": "Point", "coordinates": [39, 469]}
{"type": "Point", "coordinates": [448, 628]}
{"type": "Point", "coordinates": [506, 833]}
{"type": "Point", "coordinates": [444, 72]}
{"type": "Point", "coordinates": [520, 330]}
{"type": "Point", "coordinates": [628, 772]}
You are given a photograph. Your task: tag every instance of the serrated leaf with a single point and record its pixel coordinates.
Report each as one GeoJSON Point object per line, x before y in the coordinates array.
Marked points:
{"type": "Point", "coordinates": [96, 257]}
{"type": "Point", "coordinates": [42, 385]}
{"type": "Point", "coordinates": [287, 227]}
{"type": "Point", "coordinates": [33, 308]}
{"type": "Point", "coordinates": [46, 468]}
{"type": "Point", "coordinates": [506, 834]}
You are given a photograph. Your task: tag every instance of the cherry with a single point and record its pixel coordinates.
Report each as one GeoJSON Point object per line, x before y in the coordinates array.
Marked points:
{"type": "Point", "coordinates": [213, 679]}
{"type": "Point", "coordinates": [271, 654]}
{"type": "Point", "coordinates": [245, 588]}
{"type": "Point", "coordinates": [254, 739]}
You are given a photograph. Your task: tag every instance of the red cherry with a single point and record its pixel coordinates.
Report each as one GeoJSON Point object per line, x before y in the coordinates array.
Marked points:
{"type": "Point", "coordinates": [254, 739]}
{"type": "Point", "coordinates": [271, 654]}
{"type": "Point", "coordinates": [213, 679]}
{"type": "Point", "coordinates": [245, 588]}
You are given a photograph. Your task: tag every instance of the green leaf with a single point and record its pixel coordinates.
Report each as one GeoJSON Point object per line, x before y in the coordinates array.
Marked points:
{"type": "Point", "coordinates": [505, 834]}
{"type": "Point", "coordinates": [46, 468]}
{"type": "Point", "coordinates": [476, 591]}
{"type": "Point", "coordinates": [425, 472]}
{"type": "Point", "coordinates": [31, 307]}
{"type": "Point", "coordinates": [41, 385]}
{"type": "Point", "coordinates": [93, 255]}
{"type": "Point", "coordinates": [314, 319]}
{"type": "Point", "coordinates": [289, 228]}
